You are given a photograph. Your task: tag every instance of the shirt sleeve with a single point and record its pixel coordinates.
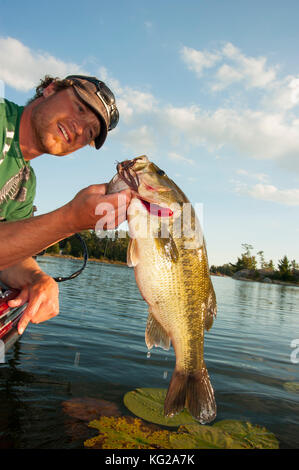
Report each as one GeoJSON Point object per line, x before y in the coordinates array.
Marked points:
{"type": "Point", "coordinates": [24, 210]}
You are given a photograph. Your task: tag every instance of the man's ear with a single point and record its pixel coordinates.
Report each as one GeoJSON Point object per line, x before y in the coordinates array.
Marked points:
{"type": "Point", "coordinates": [49, 90]}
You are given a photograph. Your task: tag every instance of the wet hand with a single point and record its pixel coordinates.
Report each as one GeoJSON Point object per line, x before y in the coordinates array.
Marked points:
{"type": "Point", "coordinates": [42, 298]}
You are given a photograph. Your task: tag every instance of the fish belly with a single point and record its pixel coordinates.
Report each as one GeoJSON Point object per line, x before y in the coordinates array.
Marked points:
{"type": "Point", "coordinates": [177, 294]}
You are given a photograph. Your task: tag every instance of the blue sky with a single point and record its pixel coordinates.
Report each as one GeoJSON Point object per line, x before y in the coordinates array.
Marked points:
{"type": "Point", "coordinates": [209, 90]}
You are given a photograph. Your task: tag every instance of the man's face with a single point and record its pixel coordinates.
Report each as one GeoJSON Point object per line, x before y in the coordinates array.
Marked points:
{"type": "Point", "coordinates": [62, 123]}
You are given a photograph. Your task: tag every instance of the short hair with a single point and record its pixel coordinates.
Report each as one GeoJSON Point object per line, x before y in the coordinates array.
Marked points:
{"type": "Point", "coordinates": [60, 84]}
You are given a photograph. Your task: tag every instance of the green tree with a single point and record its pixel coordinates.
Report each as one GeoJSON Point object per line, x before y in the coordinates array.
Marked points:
{"type": "Point", "coordinates": [294, 265]}
{"type": "Point", "coordinates": [284, 268]}
{"type": "Point", "coordinates": [262, 259]}
{"type": "Point", "coordinates": [67, 249]}
{"type": "Point", "coordinates": [270, 265]}
{"type": "Point", "coordinates": [54, 249]}
{"type": "Point", "coordinates": [246, 261]}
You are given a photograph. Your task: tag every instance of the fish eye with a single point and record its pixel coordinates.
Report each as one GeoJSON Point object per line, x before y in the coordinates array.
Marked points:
{"type": "Point", "coordinates": [161, 172]}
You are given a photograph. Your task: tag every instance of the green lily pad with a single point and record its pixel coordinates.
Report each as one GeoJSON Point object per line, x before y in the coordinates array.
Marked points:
{"type": "Point", "coordinates": [249, 436]}
{"type": "Point", "coordinates": [291, 386]}
{"type": "Point", "coordinates": [198, 436]}
{"type": "Point", "coordinates": [126, 433]}
{"type": "Point", "coordinates": [148, 404]}
{"type": "Point", "coordinates": [132, 433]}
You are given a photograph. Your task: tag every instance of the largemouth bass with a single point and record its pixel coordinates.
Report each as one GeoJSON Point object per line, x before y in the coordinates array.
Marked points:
{"type": "Point", "coordinates": [168, 253]}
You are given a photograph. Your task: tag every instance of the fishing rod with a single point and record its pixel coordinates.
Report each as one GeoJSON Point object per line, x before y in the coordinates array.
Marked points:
{"type": "Point", "coordinates": [9, 317]}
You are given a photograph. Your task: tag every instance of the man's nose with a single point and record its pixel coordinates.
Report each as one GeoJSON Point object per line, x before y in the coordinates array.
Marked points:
{"type": "Point", "coordinates": [80, 128]}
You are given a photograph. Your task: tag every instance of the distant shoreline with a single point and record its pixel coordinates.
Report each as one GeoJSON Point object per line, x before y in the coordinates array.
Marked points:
{"type": "Point", "coordinates": [274, 281]}
{"type": "Point", "coordinates": [101, 260]}
{"type": "Point", "coordinates": [122, 263]}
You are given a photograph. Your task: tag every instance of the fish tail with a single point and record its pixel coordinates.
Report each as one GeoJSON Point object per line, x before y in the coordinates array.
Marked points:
{"type": "Point", "coordinates": [192, 391]}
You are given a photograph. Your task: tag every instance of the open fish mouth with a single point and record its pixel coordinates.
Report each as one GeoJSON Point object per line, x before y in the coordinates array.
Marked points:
{"type": "Point", "coordinates": [130, 177]}
{"type": "Point", "coordinates": [155, 209]}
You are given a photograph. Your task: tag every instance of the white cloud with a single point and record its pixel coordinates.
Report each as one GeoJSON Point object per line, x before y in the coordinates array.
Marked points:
{"type": "Point", "coordinates": [252, 133]}
{"type": "Point", "coordinates": [198, 60]}
{"type": "Point", "coordinates": [268, 192]}
{"type": "Point", "coordinates": [23, 68]}
{"type": "Point", "coordinates": [270, 131]}
{"type": "Point", "coordinates": [284, 94]}
{"type": "Point", "coordinates": [131, 102]}
{"type": "Point", "coordinates": [140, 141]}
{"type": "Point", "coordinates": [252, 71]}
{"type": "Point", "coordinates": [257, 176]}
{"type": "Point", "coordinates": [177, 157]}
{"type": "Point", "coordinates": [148, 25]}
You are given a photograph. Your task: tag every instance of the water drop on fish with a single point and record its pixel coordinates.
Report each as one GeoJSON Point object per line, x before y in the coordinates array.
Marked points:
{"type": "Point", "coordinates": [77, 359]}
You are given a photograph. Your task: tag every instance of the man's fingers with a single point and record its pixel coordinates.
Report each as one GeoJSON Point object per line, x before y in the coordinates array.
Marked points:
{"type": "Point", "coordinates": [23, 323]}
{"type": "Point", "coordinates": [28, 315]}
{"type": "Point", "coordinates": [113, 209]}
{"type": "Point", "coordinates": [20, 299]}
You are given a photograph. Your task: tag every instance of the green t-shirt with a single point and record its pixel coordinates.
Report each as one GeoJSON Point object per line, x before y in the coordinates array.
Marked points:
{"type": "Point", "coordinates": [17, 178]}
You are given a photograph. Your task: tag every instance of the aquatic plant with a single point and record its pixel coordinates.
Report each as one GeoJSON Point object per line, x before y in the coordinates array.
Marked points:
{"type": "Point", "coordinates": [148, 404]}
{"type": "Point", "coordinates": [291, 386]}
{"type": "Point", "coordinates": [132, 433]}
{"type": "Point", "coordinates": [126, 433]}
{"type": "Point", "coordinates": [85, 408]}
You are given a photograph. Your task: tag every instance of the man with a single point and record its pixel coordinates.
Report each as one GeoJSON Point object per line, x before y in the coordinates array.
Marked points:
{"type": "Point", "coordinates": [64, 116]}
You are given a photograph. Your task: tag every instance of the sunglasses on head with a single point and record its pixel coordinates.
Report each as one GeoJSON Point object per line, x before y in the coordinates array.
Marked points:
{"type": "Point", "coordinates": [106, 96]}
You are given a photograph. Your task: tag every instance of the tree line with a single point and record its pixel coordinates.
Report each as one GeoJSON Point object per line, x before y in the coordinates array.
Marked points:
{"type": "Point", "coordinates": [110, 245]}
{"type": "Point", "coordinates": [257, 266]}
{"type": "Point", "coordinates": [113, 246]}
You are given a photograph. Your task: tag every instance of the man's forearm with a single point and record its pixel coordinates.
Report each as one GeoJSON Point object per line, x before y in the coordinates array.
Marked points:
{"type": "Point", "coordinates": [22, 239]}
{"type": "Point", "coordinates": [21, 274]}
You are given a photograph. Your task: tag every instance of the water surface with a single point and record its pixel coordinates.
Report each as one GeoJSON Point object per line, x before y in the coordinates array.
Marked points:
{"type": "Point", "coordinates": [95, 348]}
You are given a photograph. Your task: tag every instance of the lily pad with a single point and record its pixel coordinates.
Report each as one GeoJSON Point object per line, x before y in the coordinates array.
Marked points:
{"type": "Point", "coordinates": [148, 404]}
{"type": "Point", "coordinates": [291, 386]}
{"type": "Point", "coordinates": [132, 433]}
{"type": "Point", "coordinates": [250, 436]}
{"type": "Point", "coordinates": [126, 433]}
{"type": "Point", "coordinates": [198, 436]}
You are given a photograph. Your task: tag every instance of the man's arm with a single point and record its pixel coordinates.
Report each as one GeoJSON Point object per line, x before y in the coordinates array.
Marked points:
{"type": "Point", "coordinates": [36, 287]}
{"type": "Point", "coordinates": [22, 239]}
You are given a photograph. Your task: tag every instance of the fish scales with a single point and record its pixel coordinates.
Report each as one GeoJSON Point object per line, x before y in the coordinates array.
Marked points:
{"type": "Point", "coordinates": [172, 274]}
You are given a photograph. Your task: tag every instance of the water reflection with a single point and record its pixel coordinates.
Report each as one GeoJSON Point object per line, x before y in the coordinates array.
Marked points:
{"type": "Point", "coordinates": [95, 348]}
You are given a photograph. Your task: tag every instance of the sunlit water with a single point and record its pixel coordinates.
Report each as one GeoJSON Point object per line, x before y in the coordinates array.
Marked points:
{"type": "Point", "coordinates": [95, 348]}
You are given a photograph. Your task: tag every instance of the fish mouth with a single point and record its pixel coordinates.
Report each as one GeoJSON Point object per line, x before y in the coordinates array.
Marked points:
{"type": "Point", "coordinates": [130, 177]}
{"type": "Point", "coordinates": [155, 209]}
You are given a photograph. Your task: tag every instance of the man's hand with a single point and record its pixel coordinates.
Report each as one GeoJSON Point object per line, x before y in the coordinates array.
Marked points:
{"type": "Point", "coordinates": [92, 205]}
{"type": "Point", "coordinates": [42, 297]}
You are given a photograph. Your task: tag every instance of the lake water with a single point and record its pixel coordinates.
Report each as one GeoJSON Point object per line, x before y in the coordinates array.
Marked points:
{"type": "Point", "coordinates": [95, 349]}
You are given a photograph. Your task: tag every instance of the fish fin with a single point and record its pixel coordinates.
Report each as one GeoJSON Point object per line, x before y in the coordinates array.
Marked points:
{"type": "Point", "coordinates": [211, 311]}
{"type": "Point", "coordinates": [132, 253]}
{"type": "Point", "coordinates": [192, 391]}
{"type": "Point", "coordinates": [167, 247]}
{"type": "Point", "coordinates": [155, 335]}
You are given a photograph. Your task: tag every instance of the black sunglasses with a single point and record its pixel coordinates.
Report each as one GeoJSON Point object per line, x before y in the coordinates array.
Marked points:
{"type": "Point", "coordinates": [106, 96]}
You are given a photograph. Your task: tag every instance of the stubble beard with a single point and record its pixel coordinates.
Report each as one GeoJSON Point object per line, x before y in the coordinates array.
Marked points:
{"type": "Point", "coordinates": [41, 132]}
